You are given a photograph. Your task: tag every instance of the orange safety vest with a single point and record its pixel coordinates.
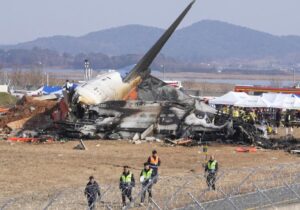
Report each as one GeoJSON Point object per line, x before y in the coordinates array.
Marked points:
{"type": "Point", "coordinates": [154, 161]}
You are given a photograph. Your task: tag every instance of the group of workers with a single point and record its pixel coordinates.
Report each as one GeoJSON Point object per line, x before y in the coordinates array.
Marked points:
{"type": "Point", "coordinates": [273, 118]}
{"type": "Point", "coordinates": [248, 115]}
{"type": "Point", "coordinates": [148, 177]}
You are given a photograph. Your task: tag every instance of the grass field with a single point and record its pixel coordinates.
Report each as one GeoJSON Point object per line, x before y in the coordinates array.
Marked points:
{"type": "Point", "coordinates": [7, 99]}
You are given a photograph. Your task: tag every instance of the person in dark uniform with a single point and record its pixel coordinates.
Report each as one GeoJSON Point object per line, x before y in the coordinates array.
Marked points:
{"type": "Point", "coordinates": [127, 182]}
{"type": "Point", "coordinates": [212, 169]}
{"type": "Point", "coordinates": [146, 179]}
{"type": "Point", "coordinates": [154, 162]}
{"type": "Point", "coordinates": [92, 192]}
{"type": "Point", "coordinates": [277, 120]}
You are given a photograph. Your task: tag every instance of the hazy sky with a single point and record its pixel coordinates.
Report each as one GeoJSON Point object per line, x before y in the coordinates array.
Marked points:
{"type": "Point", "coordinates": [24, 20]}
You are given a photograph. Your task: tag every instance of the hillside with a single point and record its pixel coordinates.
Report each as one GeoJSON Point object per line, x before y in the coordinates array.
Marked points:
{"type": "Point", "coordinates": [203, 40]}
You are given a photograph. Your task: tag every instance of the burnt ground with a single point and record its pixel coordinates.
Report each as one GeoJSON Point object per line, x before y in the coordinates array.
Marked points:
{"type": "Point", "coordinates": [42, 167]}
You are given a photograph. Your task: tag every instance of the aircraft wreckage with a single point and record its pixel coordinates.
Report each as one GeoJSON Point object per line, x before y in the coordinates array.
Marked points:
{"type": "Point", "coordinates": [112, 106]}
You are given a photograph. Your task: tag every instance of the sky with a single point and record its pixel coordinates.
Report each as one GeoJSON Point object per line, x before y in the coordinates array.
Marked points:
{"type": "Point", "coordinates": [25, 20]}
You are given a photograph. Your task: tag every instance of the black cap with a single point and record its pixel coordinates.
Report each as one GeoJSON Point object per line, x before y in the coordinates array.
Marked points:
{"type": "Point", "coordinates": [91, 177]}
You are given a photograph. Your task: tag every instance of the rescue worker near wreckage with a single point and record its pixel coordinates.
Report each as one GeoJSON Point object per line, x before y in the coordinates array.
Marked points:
{"type": "Point", "coordinates": [92, 192]}
{"type": "Point", "coordinates": [154, 162]}
{"type": "Point", "coordinates": [146, 178]}
{"type": "Point", "coordinates": [127, 182]}
{"type": "Point", "coordinates": [212, 169]}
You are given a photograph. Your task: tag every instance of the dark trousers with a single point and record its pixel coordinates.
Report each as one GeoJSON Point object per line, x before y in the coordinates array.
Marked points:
{"type": "Point", "coordinates": [145, 189]}
{"type": "Point", "coordinates": [126, 192]}
{"type": "Point", "coordinates": [211, 180]}
{"type": "Point", "coordinates": [91, 204]}
{"type": "Point", "coordinates": [154, 174]}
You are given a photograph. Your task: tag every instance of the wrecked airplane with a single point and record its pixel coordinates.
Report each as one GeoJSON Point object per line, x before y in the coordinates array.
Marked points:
{"type": "Point", "coordinates": [114, 107]}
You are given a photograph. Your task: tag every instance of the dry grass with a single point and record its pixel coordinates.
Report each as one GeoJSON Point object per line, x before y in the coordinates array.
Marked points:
{"type": "Point", "coordinates": [34, 168]}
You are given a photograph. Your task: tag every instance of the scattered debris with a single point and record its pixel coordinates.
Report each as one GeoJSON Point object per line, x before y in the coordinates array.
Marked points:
{"type": "Point", "coordinates": [80, 146]}
{"type": "Point", "coordinates": [33, 113]}
{"type": "Point", "coordinates": [147, 132]}
{"type": "Point", "coordinates": [18, 124]}
{"type": "Point", "coordinates": [246, 149]}
{"type": "Point", "coordinates": [295, 152]}
{"type": "Point", "coordinates": [182, 142]}
{"type": "Point", "coordinates": [150, 139]}
{"type": "Point", "coordinates": [136, 137]}
{"type": "Point", "coordinates": [137, 142]}
{"type": "Point", "coordinates": [31, 140]}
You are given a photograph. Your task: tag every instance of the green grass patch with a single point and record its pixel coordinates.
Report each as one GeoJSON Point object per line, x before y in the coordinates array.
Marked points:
{"type": "Point", "coordinates": [7, 99]}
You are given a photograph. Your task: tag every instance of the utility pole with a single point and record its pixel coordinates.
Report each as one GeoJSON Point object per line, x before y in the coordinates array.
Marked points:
{"type": "Point", "coordinates": [87, 70]}
{"type": "Point", "coordinates": [47, 79]}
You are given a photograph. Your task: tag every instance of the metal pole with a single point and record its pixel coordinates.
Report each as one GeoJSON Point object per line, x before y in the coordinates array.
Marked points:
{"type": "Point", "coordinates": [195, 200]}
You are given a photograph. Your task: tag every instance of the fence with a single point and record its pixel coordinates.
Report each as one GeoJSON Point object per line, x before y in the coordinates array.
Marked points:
{"type": "Point", "coordinates": [270, 186]}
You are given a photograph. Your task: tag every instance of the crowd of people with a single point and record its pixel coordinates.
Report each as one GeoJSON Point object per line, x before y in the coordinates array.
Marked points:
{"type": "Point", "coordinates": [272, 118]}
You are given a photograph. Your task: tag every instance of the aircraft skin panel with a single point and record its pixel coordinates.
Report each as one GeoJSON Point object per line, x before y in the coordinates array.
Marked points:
{"type": "Point", "coordinates": [100, 89]}
{"type": "Point", "coordinates": [110, 86]}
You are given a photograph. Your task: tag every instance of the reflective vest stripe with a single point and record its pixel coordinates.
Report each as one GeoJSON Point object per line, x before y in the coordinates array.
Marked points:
{"type": "Point", "coordinates": [147, 175]}
{"type": "Point", "coordinates": [235, 113]}
{"type": "Point", "coordinates": [126, 179]}
{"type": "Point", "coordinates": [212, 165]}
{"type": "Point", "coordinates": [154, 161]}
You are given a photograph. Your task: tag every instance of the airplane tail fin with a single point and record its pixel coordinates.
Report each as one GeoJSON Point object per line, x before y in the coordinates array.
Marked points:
{"type": "Point", "coordinates": [142, 67]}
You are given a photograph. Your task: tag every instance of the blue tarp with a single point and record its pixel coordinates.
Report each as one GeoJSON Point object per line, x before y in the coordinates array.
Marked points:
{"type": "Point", "coordinates": [51, 89]}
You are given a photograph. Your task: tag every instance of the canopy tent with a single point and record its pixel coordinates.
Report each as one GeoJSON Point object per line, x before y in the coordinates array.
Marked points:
{"type": "Point", "coordinates": [253, 101]}
{"type": "Point", "coordinates": [230, 98]}
{"type": "Point", "coordinates": [267, 100]}
{"type": "Point", "coordinates": [274, 97]}
{"type": "Point", "coordinates": [290, 102]}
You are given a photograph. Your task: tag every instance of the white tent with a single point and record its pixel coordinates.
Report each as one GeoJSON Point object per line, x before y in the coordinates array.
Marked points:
{"type": "Point", "coordinates": [253, 101]}
{"type": "Point", "coordinates": [282, 101]}
{"type": "Point", "coordinates": [274, 97]}
{"type": "Point", "coordinates": [288, 102]}
{"type": "Point", "coordinates": [230, 98]}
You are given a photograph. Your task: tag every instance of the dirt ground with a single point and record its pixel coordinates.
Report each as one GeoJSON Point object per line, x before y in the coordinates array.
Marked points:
{"type": "Point", "coordinates": [29, 168]}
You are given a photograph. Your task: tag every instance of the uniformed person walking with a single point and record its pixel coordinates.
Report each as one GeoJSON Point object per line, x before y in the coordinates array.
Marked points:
{"type": "Point", "coordinates": [211, 168]}
{"type": "Point", "coordinates": [92, 192]}
{"type": "Point", "coordinates": [127, 182]}
{"type": "Point", "coordinates": [154, 162]}
{"type": "Point", "coordinates": [146, 180]}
